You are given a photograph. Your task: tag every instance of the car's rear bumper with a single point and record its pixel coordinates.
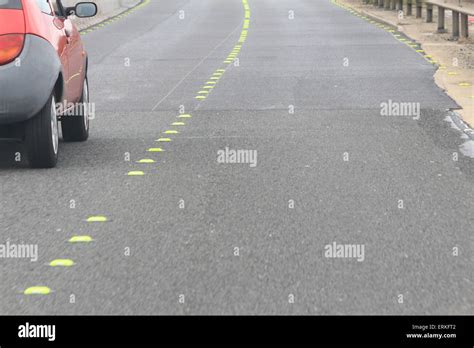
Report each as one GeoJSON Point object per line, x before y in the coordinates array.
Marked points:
{"type": "Point", "coordinates": [27, 83]}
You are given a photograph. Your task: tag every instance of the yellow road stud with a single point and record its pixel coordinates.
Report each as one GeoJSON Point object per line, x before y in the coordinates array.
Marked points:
{"type": "Point", "coordinates": [80, 239]}
{"type": "Point", "coordinates": [97, 218]}
{"type": "Point", "coordinates": [61, 263]}
{"type": "Point", "coordinates": [37, 290]}
{"type": "Point", "coordinates": [155, 149]}
{"type": "Point", "coordinates": [136, 173]}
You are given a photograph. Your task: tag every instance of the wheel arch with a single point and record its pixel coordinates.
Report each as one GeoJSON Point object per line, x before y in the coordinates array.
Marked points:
{"type": "Point", "coordinates": [58, 88]}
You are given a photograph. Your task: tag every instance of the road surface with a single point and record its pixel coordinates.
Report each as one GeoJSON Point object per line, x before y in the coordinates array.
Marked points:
{"type": "Point", "coordinates": [197, 236]}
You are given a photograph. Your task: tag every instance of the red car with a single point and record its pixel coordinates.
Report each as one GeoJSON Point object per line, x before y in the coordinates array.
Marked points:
{"type": "Point", "coordinates": [43, 76]}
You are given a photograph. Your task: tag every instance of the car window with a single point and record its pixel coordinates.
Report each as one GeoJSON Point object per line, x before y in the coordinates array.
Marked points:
{"type": "Point", "coordinates": [44, 6]}
{"type": "Point", "coordinates": [58, 9]}
{"type": "Point", "coordinates": [10, 4]}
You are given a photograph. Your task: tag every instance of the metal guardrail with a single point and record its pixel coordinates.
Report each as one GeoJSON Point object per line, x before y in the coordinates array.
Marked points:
{"type": "Point", "coordinates": [400, 5]}
{"type": "Point", "coordinates": [460, 16]}
{"type": "Point", "coordinates": [461, 10]}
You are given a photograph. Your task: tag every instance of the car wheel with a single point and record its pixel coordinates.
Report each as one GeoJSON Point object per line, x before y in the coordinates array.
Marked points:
{"type": "Point", "coordinates": [76, 127]}
{"type": "Point", "coordinates": [42, 136]}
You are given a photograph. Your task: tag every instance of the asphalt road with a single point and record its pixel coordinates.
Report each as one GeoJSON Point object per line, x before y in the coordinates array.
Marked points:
{"type": "Point", "coordinates": [334, 170]}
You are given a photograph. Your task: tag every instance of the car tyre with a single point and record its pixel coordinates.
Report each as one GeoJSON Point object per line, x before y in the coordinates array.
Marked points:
{"type": "Point", "coordinates": [42, 136]}
{"type": "Point", "coordinates": [76, 127]}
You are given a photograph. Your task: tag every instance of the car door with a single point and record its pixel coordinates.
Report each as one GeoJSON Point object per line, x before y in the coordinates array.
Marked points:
{"type": "Point", "coordinates": [75, 53]}
{"type": "Point", "coordinates": [58, 38]}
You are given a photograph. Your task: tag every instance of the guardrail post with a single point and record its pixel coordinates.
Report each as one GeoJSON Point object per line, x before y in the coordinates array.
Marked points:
{"type": "Point", "coordinates": [400, 5]}
{"type": "Point", "coordinates": [441, 28]}
{"type": "Point", "coordinates": [455, 24]}
{"type": "Point", "coordinates": [429, 13]}
{"type": "Point", "coordinates": [464, 25]}
{"type": "Point", "coordinates": [419, 8]}
{"type": "Point", "coordinates": [409, 7]}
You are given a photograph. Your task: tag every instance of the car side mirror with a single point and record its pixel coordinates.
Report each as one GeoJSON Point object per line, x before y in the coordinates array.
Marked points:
{"type": "Point", "coordinates": [83, 10]}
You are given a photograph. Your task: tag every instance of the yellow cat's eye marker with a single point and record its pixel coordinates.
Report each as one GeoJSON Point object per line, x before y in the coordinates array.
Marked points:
{"type": "Point", "coordinates": [37, 290]}
{"type": "Point", "coordinates": [136, 173]}
{"type": "Point", "coordinates": [80, 239]}
{"type": "Point", "coordinates": [155, 149]}
{"type": "Point", "coordinates": [97, 218]}
{"type": "Point", "coordinates": [61, 263]}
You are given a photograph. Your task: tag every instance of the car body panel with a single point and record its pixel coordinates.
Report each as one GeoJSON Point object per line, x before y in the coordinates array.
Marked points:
{"type": "Point", "coordinates": [53, 51]}
{"type": "Point", "coordinates": [77, 64]}
{"type": "Point", "coordinates": [26, 88]}
{"type": "Point", "coordinates": [12, 22]}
